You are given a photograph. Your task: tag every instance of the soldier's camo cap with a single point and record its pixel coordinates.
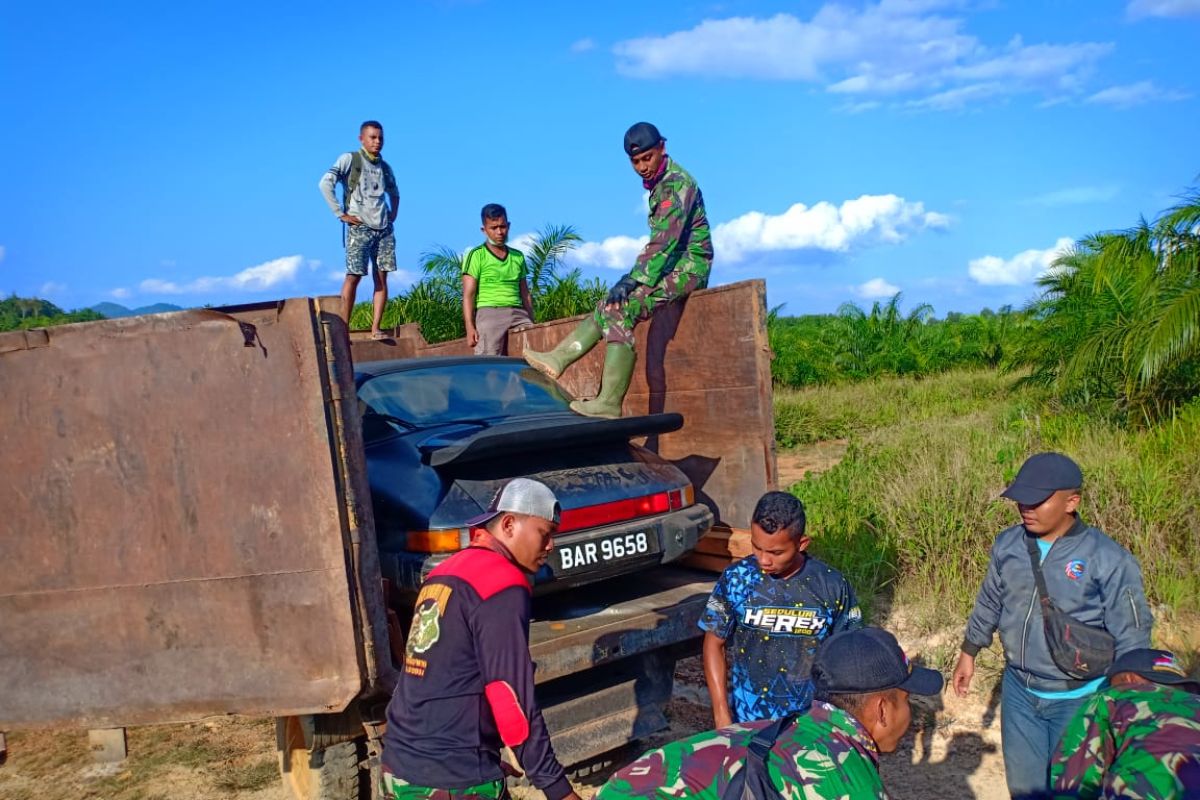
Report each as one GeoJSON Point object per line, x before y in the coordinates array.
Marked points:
{"type": "Point", "coordinates": [869, 660]}
{"type": "Point", "coordinates": [521, 496]}
{"type": "Point", "coordinates": [640, 137]}
{"type": "Point", "coordinates": [1159, 666]}
{"type": "Point", "coordinates": [1041, 476]}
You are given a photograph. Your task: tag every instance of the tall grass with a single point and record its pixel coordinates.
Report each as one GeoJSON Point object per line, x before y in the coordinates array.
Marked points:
{"type": "Point", "coordinates": [910, 514]}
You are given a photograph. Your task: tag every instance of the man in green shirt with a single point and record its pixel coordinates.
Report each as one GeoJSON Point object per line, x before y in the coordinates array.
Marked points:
{"type": "Point", "coordinates": [495, 287]}
{"type": "Point", "coordinates": [675, 262]}
{"type": "Point", "coordinates": [862, 680]}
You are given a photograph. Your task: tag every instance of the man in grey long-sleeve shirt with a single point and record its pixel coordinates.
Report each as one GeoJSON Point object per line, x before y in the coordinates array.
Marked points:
{"type": "Point", "coordinates": [366, 178]}
{"type": "Point", "coordinates": [1087, 575]}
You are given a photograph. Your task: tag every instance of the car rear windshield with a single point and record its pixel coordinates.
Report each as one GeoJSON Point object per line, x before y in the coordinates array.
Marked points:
{"type": "Point", "coordinates": [483, 391]}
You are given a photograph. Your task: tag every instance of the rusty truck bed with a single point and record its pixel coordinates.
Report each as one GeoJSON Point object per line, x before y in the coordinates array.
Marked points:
{"type": "Point", "coordinates": [186, 522]}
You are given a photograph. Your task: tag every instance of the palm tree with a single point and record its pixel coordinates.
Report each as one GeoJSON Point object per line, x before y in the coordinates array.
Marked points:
{"type": "Point", "coordinates": [1120, 316]}
{"type": "Point", "coordinates": [435, 301]}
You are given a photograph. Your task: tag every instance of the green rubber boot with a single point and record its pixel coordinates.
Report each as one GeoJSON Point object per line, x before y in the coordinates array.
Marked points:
{"type": "Point", "coordinates": [618, 370]}
{"type": "Point", "coordinates": [577, 344]}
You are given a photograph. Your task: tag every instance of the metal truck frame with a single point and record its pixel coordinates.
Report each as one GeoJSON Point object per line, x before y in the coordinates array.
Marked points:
{"type": "Point", "coordinates": [188, 529]}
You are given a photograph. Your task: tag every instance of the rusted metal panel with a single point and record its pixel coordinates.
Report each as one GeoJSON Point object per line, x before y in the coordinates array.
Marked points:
{"type": "Point", "coordinates": [175, 523]}
{"type": "Point", "coordinates": [707, 359]}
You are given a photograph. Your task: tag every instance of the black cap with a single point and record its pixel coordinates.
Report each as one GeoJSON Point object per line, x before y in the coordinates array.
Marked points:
{"type": "Point", "coordinates": [1041, 476]}
{"type": "Point", "coordinates": [1159, 666]}
{"type": "Point", "coordinates": [869, 660]}
{"type": "Point", "coordinates": [641, 137]}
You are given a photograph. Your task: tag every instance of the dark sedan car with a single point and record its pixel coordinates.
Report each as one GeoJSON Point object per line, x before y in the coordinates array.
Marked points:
{"type": "Point", "coordinates": [443, 434]}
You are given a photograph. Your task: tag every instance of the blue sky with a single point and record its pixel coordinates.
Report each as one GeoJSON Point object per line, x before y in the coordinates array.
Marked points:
{"type": "Point", "coordinates": [846, 150]}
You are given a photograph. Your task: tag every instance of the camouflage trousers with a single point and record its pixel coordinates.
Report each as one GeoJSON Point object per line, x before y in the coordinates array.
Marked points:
{"type": "Point", "coordinates": [618, 323]}
{"type": "Point", "coordinates": [397, 789]}
{"type": "Point", "coordinates": [365, 246]}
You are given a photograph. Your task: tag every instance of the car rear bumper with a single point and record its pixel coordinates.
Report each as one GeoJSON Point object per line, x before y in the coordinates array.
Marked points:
{"type": "Point", "coordinates": [582, 557]}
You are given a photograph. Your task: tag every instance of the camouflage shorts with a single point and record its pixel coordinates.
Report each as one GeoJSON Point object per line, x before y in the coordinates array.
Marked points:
{"type": "Point", "coordinates": [396, 789]}
{"type": "Point", "coordinates": [366, 245]}
{"type": "Point", "coordinates": [641, 304]}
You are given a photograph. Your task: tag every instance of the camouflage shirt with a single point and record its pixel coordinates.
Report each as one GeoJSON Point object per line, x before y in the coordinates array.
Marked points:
{"type": "Point", "coordinates": [825, 754]}
{"type": "Point", "coordinates": [680, 240]}
{"type": "Point", "coordinates": [1130, 742]}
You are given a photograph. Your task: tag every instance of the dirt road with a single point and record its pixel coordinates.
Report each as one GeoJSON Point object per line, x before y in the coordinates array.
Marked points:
{"type": "Point", "coordinates": [954, 754]}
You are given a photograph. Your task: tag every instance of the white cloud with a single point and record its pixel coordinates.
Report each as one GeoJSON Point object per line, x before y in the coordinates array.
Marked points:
{"type": "Point", "coordinates": [869, 219]}
{"type": "Point", "coordinates": [120, 293]}
{"type": "Point", "coordinates": [876, 289]}
{"type": "Point", "coordinates": [252, 279]}
{"type": "Point", "coordinates": [583, 45]}
{"type": "Point", "coordinates": [884, 218]}
{"type": "Point", "coordinates": [1135, 94]}
{"type": "Point", "coordinates": [858, 108]}
{"type": "Point", "coordinates": [1075, 196]}
{"type": "Point", "coordinates": [2, 253]}
{"type": "Point", "coordinates": [1138, 9]}
{"type": "Point", "coordinates": [615, 252]}
{"type": "Point", "coordinates": [524, 242]}
{"type": "Point", "coordinates": [50, 288]}
{"type": "Point", "coordinates": [1023, 268]}
{"type": "Point", "coordinates": [882, 49]}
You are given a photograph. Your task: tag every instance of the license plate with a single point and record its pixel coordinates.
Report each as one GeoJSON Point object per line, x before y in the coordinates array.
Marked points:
{"type": "Point", "coordinates": [604, 550]}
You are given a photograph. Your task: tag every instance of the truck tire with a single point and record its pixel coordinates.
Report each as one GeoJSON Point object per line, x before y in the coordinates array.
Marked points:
{"type": "Point", "coordinates": [333, 772]}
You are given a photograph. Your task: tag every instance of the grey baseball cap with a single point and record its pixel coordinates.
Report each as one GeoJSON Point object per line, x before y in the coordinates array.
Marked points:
{"type": "Point", "coordinates": [521, 496]}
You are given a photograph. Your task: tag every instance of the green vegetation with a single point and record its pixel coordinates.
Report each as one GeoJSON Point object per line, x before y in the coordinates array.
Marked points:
{"type": "Point", "coordinates": [1104, 366]}
{"type": "Point", "coordinates": [856, 344]}
{"type": "Point", "coordinates": [909, 515]}
{"type": "Point", "coordinates": [435, 301]}
{"type": "Point", "coordinates": [23, 313]}
{"type": "Point", "coordinates": [1119, 320]}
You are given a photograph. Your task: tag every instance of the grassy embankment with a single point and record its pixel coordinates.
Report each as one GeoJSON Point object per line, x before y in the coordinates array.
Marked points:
{"type": "Point", "coordinates": [910, 513]}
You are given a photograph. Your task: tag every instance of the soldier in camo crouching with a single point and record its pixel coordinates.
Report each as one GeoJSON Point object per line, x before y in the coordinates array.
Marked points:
{"type": "Point", "coordinates": [863, 681]}
{"type": "Point", "coordinates": [673, 264]}
{"type": "Point", "coordinates": [1139, 738]}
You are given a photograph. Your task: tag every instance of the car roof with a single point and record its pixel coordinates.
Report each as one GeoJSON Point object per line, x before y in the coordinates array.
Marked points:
{"type": "Point", "coordinates": [371, 369]}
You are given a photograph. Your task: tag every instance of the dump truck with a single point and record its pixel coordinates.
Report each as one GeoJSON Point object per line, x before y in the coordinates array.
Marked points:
{"type": "Point", "coordinates": [188, 529]}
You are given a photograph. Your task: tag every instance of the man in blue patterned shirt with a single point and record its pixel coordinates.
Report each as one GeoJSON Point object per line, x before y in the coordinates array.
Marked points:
{"type": "Point", "coordinates": [766, 616]}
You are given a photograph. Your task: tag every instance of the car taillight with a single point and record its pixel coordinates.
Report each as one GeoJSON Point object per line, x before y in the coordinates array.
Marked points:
{"type": "Point", "coordinates": [682, 498]}
{"type": "Point", "coordinates": [620, 510]}
{"type": "Point", "coordinates": [443, 541]}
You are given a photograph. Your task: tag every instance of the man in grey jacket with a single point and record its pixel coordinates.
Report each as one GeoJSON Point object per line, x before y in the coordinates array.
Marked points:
{"type": "Point", "coordinates": [366, 179]}
{"type": "Point", "coordinates": [1088, 575]}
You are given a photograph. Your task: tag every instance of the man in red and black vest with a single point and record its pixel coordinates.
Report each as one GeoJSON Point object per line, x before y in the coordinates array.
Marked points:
{"type": "Point", "coordinates": [466, 688]}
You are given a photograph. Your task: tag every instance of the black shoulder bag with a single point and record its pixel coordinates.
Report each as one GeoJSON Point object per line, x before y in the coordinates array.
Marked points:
{"type": "Point", "coordinates": [752, 781]}
{"type": "Point", "coordinates": [1081, 651]}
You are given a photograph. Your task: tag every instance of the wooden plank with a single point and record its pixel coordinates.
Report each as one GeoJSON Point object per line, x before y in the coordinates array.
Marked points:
{"type": "Point", "coordinates": [108, 745]}
{"type": "Point", "coordinates": [706, 562]}
{"type": "Point", "coordinates": [732, 544]}
{"type": "Point", "coordinates": [706, 358]}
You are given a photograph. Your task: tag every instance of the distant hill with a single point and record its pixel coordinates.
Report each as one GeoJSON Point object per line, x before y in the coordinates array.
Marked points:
{"type": "Point", "coordinates": [113, 310]}
{"type": "Point", "coordinates": [22, 313]}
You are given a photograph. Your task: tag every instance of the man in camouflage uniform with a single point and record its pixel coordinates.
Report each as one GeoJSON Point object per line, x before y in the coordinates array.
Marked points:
{"type": "Point", "coordinates": [674, 263]}
{"type": "Point", "coordinates": [862, 680]}
{"type": "Point", "coordinates": [1139, 738]}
